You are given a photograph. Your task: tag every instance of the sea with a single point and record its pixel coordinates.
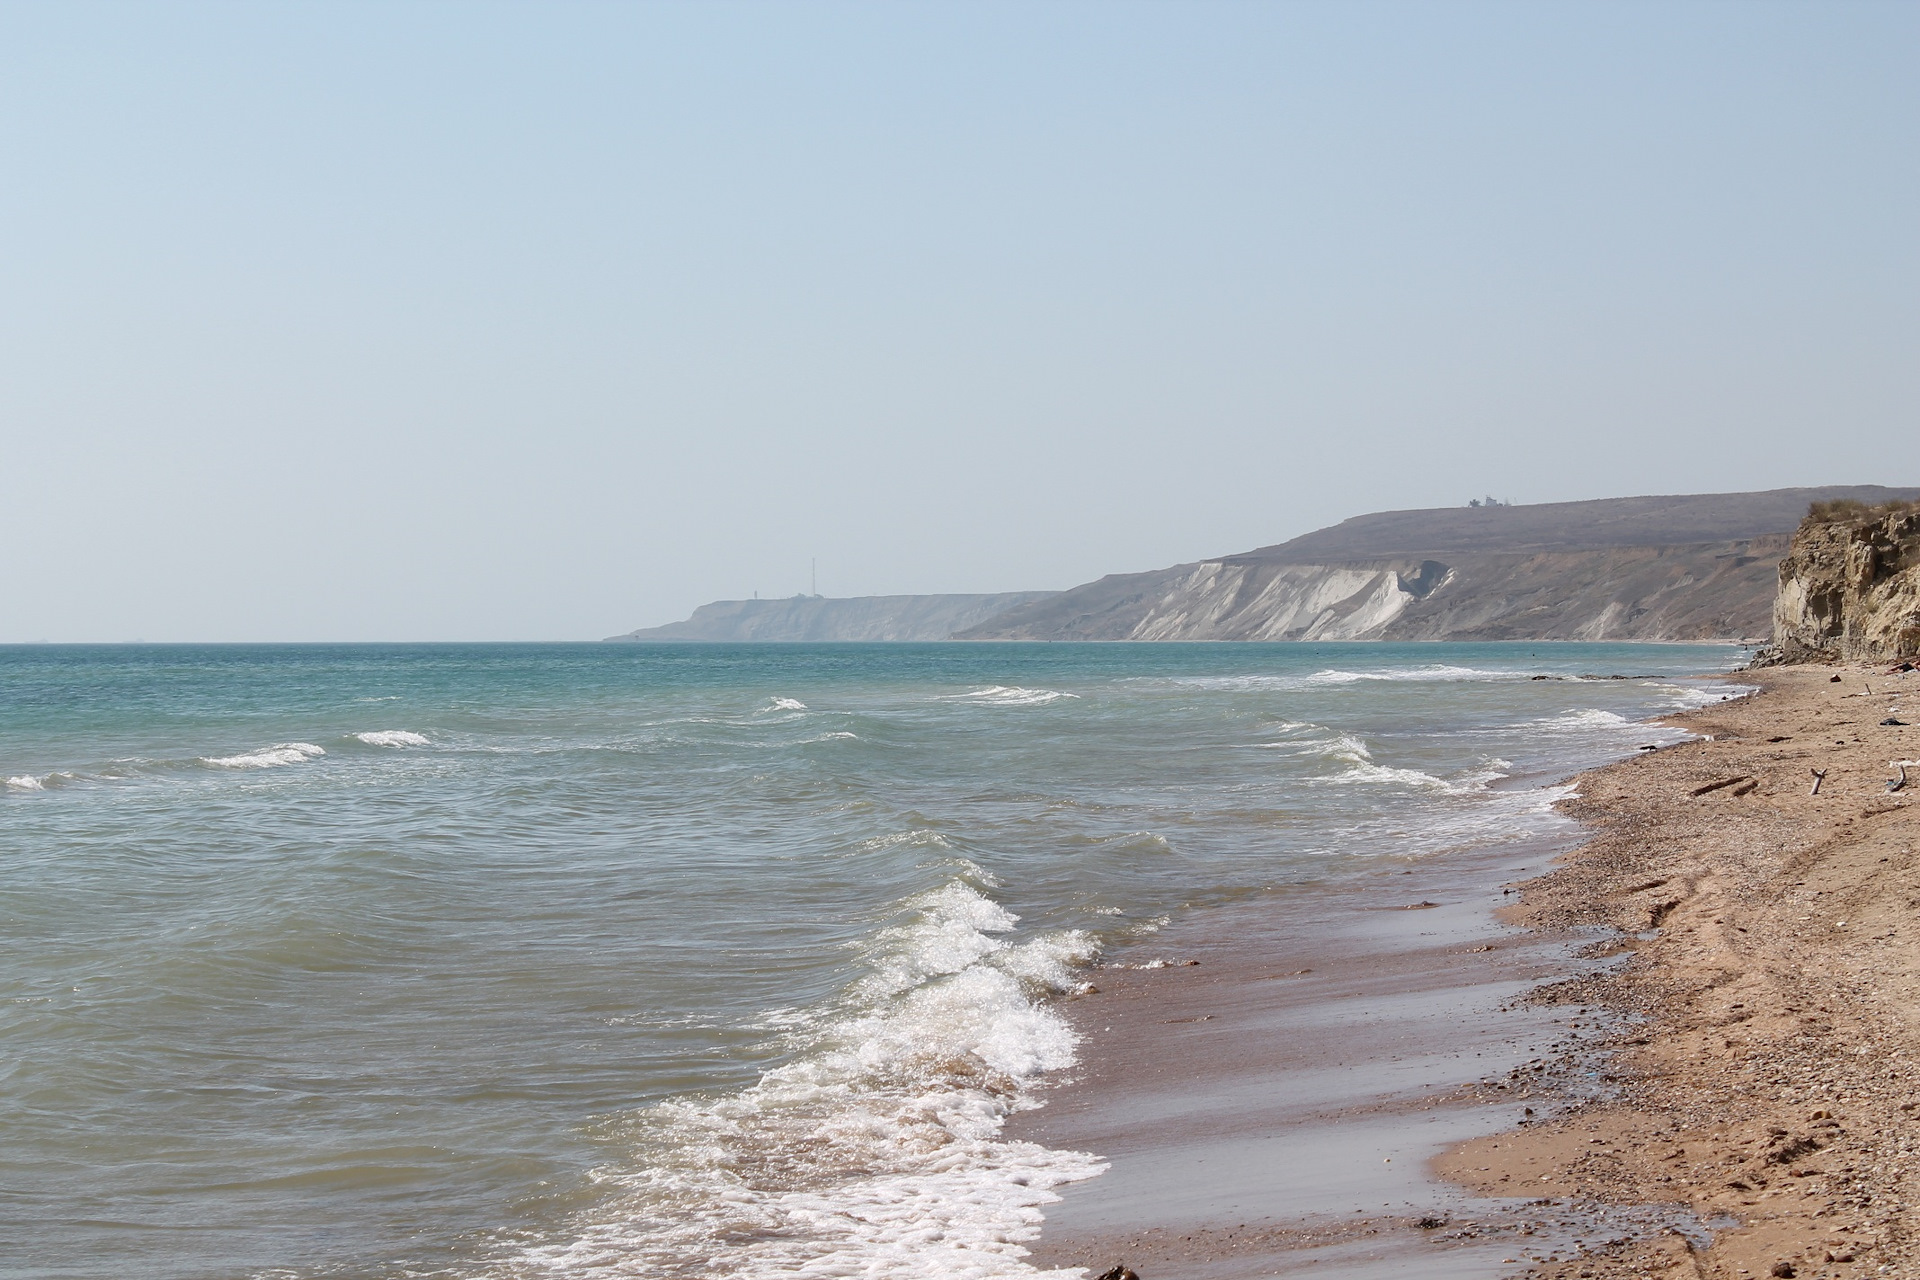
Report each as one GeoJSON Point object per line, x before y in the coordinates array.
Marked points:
{"type": "Point", "coordinates": [617, 960]}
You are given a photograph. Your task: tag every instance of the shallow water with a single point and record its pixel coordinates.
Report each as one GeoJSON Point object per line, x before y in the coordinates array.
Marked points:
{"type": "Point", "coordinates": [515, 960]}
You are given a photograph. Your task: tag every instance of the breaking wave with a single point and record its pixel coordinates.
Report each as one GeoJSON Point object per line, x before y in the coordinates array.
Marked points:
{"type": "Point", "coordinates": [1361, 767]}
{"type": "Point", "coordinates": [393, 738]}
{"type": "Point", "coordinates": [1430, 672]}
{"type": "Point", "coordinates": [876, 1150]}
{"type": "Point", "coordinates": [1000, 695]}
{"type": "Point", "coordinates": [917, 839]}
{"type": "Point", "coordinates": [1690, 697]}
{"type": "Point", "coordinates": [268, 758]}
{"type": "Point", "coordinates": [1585, 718]}
{"type": "Point", "coordinates": [1333, 677]}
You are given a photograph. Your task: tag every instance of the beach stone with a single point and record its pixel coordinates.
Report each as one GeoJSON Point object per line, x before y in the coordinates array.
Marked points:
{"type": "Point", "coordinates": [1118, 1273]}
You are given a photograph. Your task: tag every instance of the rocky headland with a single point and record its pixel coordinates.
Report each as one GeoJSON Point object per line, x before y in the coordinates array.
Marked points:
{"type": "Point", "coordinates": [1683, 567]}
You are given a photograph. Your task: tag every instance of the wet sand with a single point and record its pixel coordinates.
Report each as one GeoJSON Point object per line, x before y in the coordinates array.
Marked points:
{"type": "Point", "coordinates": [1270, 1100]}
{"type": "Point", "coordinates": [1766, 1072]}
{"type": "Point", "coordinates": [1710, 1007]}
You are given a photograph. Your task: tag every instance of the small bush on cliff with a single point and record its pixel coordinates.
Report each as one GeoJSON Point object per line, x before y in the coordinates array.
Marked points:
{"type": "Point", "coordinates": [1852, 511]}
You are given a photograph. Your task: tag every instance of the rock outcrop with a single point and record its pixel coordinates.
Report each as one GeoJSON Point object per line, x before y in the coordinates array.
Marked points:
{"type": "Point", "coordinates": [1850, 586]}
{"type": "Point", "coordinates": [808, 619]}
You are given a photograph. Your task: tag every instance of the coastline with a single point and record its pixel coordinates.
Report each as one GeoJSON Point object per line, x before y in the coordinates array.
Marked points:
{"type": "Point", "coordinates": [1669, 1036]}
{"type": "Point", "coordinates": [1271, 1080]}
{"type": "Point", "coordinates": [1762, 1061]}
{"type": "Point", "coordinates": [1272, 1108]}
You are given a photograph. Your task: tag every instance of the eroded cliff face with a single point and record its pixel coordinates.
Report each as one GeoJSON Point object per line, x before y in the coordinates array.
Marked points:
{"type": "Point", "coordinates": [1225, 600]}
{"type": "Point", "coordinates": [1699, 592]}
{"type": "Point", "coordinates": [1659, 567]}
{"type": "Point", "coordinates": [1850, 588]}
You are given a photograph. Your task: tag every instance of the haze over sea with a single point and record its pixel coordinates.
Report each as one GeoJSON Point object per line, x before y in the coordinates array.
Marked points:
{"type": "Point", "coordinates": [667, 961]}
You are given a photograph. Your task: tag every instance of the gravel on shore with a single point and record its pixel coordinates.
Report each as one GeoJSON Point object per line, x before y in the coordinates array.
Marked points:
{"type": "Point", "coordinates": [1758, 1041]}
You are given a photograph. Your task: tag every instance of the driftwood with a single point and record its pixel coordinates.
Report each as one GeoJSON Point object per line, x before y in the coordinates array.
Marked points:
{"type": "Point", "coordinates": [1715, 786]}
{"type": "Point", "coordinates": [1746, 788]}
{"type": "Point", "coordinates": [1819, 776]}
{"type": "Point", "coordinates": [1894, 784]}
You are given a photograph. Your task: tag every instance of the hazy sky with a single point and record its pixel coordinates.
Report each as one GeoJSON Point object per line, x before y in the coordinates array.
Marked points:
{"type": "Point", "coordinates": [521, 321]}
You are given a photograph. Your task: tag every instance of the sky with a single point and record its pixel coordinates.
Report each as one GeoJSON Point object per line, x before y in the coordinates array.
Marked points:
{"type": "Point", "coordinates": [411, 321]}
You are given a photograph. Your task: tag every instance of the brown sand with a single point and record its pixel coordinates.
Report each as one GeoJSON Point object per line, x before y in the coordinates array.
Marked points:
{"type": "Point", "coordinates": [1770, 1082]}
{"type": "Point", "coordinates": [1273, 1107]}
{"type": "Point", "coordinates": [1721, 1090]}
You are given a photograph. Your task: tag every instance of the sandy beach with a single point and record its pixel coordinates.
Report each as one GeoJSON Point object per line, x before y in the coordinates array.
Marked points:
{"type": "Point", "coordinates": [1763, 1070]}
{"type": "Point", "coordinates": [1684, 1050]}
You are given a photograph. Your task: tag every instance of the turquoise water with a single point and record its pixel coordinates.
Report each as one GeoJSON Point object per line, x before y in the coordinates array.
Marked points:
{"type": "Point", "coordinates": [517, 960]}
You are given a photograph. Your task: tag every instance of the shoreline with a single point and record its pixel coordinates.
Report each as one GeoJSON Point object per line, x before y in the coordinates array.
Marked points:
{"type": "Point", "coordinates": [1270, 1080]}
{"type": "Point", "coordinates": [1587, 1001]}
{"type": "Point", "coordinates": [1274, 1106]}
{"type": "Point", "coordinates": [1766, 1024]}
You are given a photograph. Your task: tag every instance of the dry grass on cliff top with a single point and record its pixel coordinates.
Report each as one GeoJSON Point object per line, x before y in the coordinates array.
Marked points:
{"type": "Point", "coordinates": [1851, 512]}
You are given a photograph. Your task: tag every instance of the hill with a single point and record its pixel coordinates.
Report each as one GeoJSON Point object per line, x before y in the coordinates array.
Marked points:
{"type": "Point", "coordinates": [1675, 567]}
{"type": "Point", "coordinates": [1679, 567]}
{"type": "Point", "coordinates": [817, 618]}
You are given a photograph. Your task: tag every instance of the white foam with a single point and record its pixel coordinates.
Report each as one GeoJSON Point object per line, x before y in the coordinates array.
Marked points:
{"type": "Point", "coordinates": [271, 757]}
{"type": "Point", "coordinates": [1473, 817]}
{"type": "Point", "coordinates": [1586, 718]}
{"type": "Point", "coordinates": [1349, 748]}
{"type": "Point", "coordinates": [1431, 672]}
{"type": "Point", "coordinates": [835, 736]}
{"type": "Point", "coordinates": [1378, 773]}
{"type": "Point", "coordinates": [1691, 697]}
{"type": "Point", "coordinates": [393, 738]}
{"type": "Point", "coordinates": [876, 1152]}
{"type": "Point", "coordinates": [26, 782]}
{"type": "Point", "coordinates": [1332, 676]}
{"type": "Point", "coordinates": [1361, 768]}
{"type": "Point", "coordinates": [919, 839]}
{"type": "Point", "coordinates": [784, 704]}
{"type": "Point", "coordinates": [1000, 695]}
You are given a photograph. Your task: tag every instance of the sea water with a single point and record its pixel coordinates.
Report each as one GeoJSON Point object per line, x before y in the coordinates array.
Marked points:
{"type": "Point", "coordinates": [664, 961]}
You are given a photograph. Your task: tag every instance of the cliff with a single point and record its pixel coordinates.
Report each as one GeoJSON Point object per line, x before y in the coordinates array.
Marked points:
{"type": "Point", "coordinates": [1681, 567]}
{"type": "Point", "coordinates": [1677, 567]}
{"type": "Point", "coordinates": [1849, 585]}
{"type": "Point", "coordinates": [817, 618]}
